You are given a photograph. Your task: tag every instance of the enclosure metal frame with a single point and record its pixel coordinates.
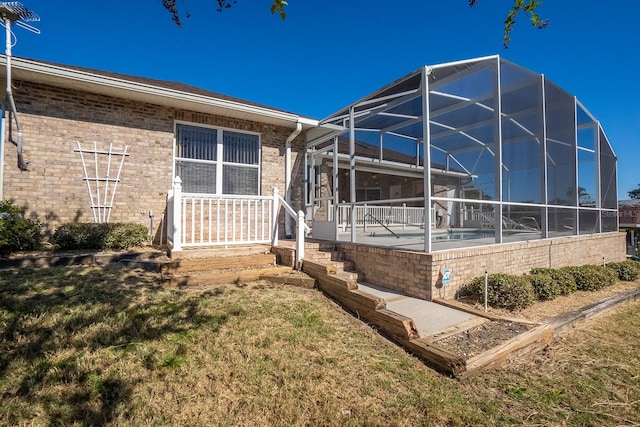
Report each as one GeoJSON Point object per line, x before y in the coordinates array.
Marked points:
{"type": "Point", "coordinates": [374, 112]}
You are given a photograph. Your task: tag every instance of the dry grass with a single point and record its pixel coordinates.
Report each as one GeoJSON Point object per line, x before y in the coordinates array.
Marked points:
{"type": "Point", "coordinates": [590, 376]}
{"type": "Point", "coordinates": [111, 346]}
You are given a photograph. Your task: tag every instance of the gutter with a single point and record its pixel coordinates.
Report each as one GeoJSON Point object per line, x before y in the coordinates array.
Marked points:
{"type": "Point", "coordinates": [148, 89]}
{"type": "Point", "coordinates": [287, 175]}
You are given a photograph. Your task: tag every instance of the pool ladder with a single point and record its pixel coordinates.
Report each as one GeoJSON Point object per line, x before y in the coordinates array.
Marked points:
{"type": "Point", "coordinates": [381, 223]}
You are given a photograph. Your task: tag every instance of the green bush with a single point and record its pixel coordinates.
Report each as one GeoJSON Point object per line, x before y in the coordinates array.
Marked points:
{"type": "Point", "coordinates": [503, 290]}
{"type": "Point", "coordinates": [544, 286]}
{"type": "Point", "coordinates": [81, 236]}
{"type": "Point", "coordinates": [100, 236]}
{"type": "Point", "coordinates": [126, 235]}
{"type": "Point", "coordinates": [593, 277]}
{"type": "Point", "coordinates": [17, 233]}
{"type": "Point", "coordinates": [627, 271]}
{"type": "Point", "coordinates": [563, 278]}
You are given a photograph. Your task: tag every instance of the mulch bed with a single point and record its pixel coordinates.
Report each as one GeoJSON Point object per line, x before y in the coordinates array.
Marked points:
{"type": "Point", "coordinates": [481, 338]}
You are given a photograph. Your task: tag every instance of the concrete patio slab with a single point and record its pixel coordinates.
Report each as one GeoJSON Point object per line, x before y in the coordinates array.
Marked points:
{"type": "Point", "coordinates": [430, 318]}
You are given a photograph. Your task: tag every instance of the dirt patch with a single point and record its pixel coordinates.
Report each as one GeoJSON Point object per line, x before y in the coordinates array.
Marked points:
{"type": "Point", "coordinates": [481, 338]}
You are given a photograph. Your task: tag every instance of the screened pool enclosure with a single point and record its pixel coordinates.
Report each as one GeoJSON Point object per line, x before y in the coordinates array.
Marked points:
{"type": "Point", "coordinates": [511, 157]}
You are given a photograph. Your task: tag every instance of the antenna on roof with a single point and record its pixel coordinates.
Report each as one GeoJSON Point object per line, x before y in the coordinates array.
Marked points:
{"type": "Point", "coordinates": [13, 11]}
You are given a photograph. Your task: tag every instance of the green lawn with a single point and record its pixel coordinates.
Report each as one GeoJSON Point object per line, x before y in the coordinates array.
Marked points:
{"type": "Point", "coordinates": [112, 346]}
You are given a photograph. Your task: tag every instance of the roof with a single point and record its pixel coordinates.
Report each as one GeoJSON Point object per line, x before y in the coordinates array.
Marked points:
{"type": "Point", "coordinates": [143, 89]}
{"type": "Point", "coordinates": [372, 151]}
{"type": "Point", "coordinates": [392, 161]}
{"type": "Point", "coordinates": [629, 203]}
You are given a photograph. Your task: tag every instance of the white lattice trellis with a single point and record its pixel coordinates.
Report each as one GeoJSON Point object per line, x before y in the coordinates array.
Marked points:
{"type": "Point", "coordinates": [102, 199]}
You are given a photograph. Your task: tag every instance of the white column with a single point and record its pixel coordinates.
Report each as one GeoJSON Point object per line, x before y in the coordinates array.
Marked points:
{"type": "Point", "coordinates": [352, 172]}
{"type": "Point", "coordinates": [287, 175]}
{"type": "Point", "coordinates": [300, 240]}
{"type": "Point", "coordinates": [276, 208]}
{"type": "Point", "coordinates": [287, 187]}
{"type": "Point", "coordinates": [497, 102]}
{"type": "Point", "coordinates": [545, 176]}
{"type": "Point", "coordinates": [426, 155]}
{"type": "Point", "coordinates": [336, 186]}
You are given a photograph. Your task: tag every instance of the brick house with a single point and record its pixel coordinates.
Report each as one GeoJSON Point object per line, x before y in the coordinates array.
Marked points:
{"type": "Point", "coordinates": [80, 134]}
{"type": "Point", "coordinates": [629, 219]}
{"type": "Point", "coordinates": [87, 132]}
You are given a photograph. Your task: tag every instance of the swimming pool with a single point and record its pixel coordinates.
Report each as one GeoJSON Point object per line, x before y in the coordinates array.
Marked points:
{"type": "Point", "coordinates": [463, 234]}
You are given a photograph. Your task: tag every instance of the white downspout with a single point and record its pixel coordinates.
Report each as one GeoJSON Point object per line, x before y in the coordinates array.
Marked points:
{"type": "Point", "coordinates": [287, 176]}
{"type": "Point", "coordinates": [22, 165]}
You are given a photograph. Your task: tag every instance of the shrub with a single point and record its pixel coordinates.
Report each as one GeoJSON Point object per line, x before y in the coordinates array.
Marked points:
{"type": "Point", "coordinates": [593, 277]}
{"type": "Point", "coordinates": [544, 286]}
{"type": "Point", "coordinates": [17, 233]}
{"type": "Point", "coordinates": [126, 235]}
{"type": "Point", "coordinates": [627, 271]}
{"type": "Point", "coordinates": [503, 290]}
{"type": "Point", "coordinates": [563, 278]}
{"type": "Point", "coordinates": [100, 236]}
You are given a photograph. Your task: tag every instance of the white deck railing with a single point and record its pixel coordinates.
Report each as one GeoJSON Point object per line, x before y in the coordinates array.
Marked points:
{"type": "Point", "coordinates": [388, 215]}
{"type": "Point", "coordinates": [201, 220]}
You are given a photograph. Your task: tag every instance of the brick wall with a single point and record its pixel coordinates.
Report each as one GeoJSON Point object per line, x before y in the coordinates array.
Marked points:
{"type": "Point", "coordinates": [404, 271]}
{"type": "Point", "coordinates": [420, 274]}
{"type": "Point", "coordinates": [55, 119]}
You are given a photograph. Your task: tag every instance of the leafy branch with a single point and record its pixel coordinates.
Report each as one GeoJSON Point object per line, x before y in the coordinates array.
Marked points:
{"type": "Point", "coordinates": [529, 8]}
{"type": "Point", "coordinates": [278, 7]}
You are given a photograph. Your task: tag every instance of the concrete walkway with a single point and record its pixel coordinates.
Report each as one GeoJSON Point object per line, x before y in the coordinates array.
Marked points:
{"type": "Point", "coordinates": [430, 318]}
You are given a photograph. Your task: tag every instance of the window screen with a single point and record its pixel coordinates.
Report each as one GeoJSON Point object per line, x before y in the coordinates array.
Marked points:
{"type": "Point", "coordinates": [197, 177]}
{"type": "Point", "coordinates": [241, 148]}
{"type": "Point", "coordinates": [196, 143]}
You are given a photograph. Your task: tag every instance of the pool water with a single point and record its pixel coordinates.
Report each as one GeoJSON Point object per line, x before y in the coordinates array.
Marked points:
{"type": "Point", "coordinates": [464, 235]}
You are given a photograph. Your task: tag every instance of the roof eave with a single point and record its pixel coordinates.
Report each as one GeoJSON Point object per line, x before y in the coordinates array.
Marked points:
{"type": "Point", "coordinates": [29, 70]}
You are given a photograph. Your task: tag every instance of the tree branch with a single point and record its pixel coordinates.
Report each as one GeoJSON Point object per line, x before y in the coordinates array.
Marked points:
{"type": "Point", "coordinates": [278, 7]}
{"type": "Point", "coordinates": [529, 8]}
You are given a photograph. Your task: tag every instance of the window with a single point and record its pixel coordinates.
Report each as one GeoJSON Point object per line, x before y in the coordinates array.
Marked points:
{"type": "Point", "coordinates": [217, 161]}
{"type": "Point", "coordinates": [367, 194]}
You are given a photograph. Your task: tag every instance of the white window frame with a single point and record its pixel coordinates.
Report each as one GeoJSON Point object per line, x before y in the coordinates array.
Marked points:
{"type": "Point", "coordinates": [219, 162]}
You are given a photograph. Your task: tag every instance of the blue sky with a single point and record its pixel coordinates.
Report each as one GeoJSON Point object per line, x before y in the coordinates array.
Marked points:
{"type": "Point", "coordinates": [323, 57]}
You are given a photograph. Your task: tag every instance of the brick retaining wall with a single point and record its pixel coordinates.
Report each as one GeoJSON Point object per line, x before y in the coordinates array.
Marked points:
{"type": "Point", "coordinates": [419, 274]}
